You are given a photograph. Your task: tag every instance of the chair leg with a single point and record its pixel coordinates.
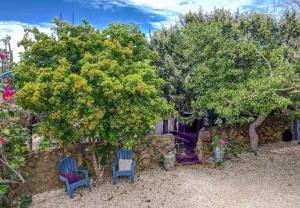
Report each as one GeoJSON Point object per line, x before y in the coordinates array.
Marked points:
{"type": "Point", "coordinates": [90, 188]}
{"type": "Point", "coordinates": [132, 179]}
{"type": "Point", "coordinates": [70, 192]}
{"type": "Point", "coordinates": [114, 180]}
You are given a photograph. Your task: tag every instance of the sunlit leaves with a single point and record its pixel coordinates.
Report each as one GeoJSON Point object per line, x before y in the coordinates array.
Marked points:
{"type": "Point", "coordinates": [91, 84]}
{"type": "Point", "coordinates": [232, 64]}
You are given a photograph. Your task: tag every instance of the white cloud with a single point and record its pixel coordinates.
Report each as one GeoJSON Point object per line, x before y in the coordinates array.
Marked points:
{"type": "Point", "coordinates": [16, 31]}
{"type": "Point", "coordinates": [170, 9]}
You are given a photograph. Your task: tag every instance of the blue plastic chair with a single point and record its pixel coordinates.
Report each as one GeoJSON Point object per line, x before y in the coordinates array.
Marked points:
{"type": "Point", "coordinates": [68, 165]}
{"type": "Point", "coordinates": [127, 155]}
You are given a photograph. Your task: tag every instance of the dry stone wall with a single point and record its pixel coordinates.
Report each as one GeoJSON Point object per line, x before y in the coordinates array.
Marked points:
{"type": "Point", "coordinates": [148, 152]}
{"type": "Point", "coordinates": [43, 166]}
{"type": "Point", "coordinates": [270, 131]}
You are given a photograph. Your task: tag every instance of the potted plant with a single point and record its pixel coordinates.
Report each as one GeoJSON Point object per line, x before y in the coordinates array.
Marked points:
{"type": "Point", "coordinates": [218, 145]}
{"type": "Point", "coordinates": [169, 157]}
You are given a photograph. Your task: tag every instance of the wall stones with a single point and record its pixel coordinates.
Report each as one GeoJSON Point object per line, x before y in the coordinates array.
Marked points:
{"type": "Point", "coordinates": [270, 131]}
{"type": "Point", "coordinates": [148, 151]}
{"type": "Point", "coordinates": [43, 166]}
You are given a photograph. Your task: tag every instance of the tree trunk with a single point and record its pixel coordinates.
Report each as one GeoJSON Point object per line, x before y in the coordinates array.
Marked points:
{"type": "Point", "coordinates": [96, 163]}
{"type": "Point", "coordinates": [175, 124]}
{"type": "Point", "coordinates": [30, 142]}
{"type": "Point", "coordinates": [165, 126]}
{"type": "Point", "coordinates": [253, 134]}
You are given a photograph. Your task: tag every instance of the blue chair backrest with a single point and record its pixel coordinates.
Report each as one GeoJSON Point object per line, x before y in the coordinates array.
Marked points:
{"type": "Point", "coordinates": [67, 165]}
{"type": "Point", "coordinates": [124, 154]}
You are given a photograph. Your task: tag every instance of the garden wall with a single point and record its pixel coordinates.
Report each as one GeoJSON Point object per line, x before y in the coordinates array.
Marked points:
{"type": "Point", "coordinates": [43, 166]}
{"type": "Point", "coordinates": [270, 131]}
{"type": "Point", "coordinates": [148, 152]}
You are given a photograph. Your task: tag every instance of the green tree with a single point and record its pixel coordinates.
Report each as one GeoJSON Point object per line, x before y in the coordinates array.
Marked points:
{"type": "Point", "coordinates": [241, 66]}
{"type": "Point", "coordinates": [91, 85]}
{"type": "Point", "coordinates": [173, 64]}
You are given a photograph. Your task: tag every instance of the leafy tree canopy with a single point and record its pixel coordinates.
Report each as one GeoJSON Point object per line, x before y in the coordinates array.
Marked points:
{"type": "Point", "coordinates": [91, 84]}
{"type": "Point", "coordinates": [233, 64]}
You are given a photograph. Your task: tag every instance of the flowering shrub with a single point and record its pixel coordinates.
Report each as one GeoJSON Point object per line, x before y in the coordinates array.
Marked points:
{"type": "Point", "coordinates": [13, 142]}
{"type": "Point", "coordinates": [2, 141]}
{"type": "Point", "coordinates": [2, 56]}
{"type": "Point", "coordinates": [8, 95]}
{"type": "Point", "coordinates": [218, 142]}
{"type": "Point", "coordinates": [168, 151]}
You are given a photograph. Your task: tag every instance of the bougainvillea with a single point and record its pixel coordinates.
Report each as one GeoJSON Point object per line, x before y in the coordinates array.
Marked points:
{"type": "Point", "coordinates": [8, 94]}
{"type": "Point", "coordinates": [13, 142]}
{"type": "Point", "coordinates": [2, 56]}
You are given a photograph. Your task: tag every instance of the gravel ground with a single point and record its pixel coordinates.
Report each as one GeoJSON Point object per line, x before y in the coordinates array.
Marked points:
{"type": "Point", "coordinates": [271, 179]}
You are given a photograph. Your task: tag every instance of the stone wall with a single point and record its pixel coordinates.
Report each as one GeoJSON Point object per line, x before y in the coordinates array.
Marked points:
{"type": "Point", "coordinates": [148, 152]}
{"type": "Point", "coordinates": [43, 166]}
{"type": "Point", "coordinates": [270, 131]}
{"type": "Point", "coordinates": [237, 136]}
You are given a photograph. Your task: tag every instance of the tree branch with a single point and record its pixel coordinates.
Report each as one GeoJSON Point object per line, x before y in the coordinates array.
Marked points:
{"type": "Point", "coordinates": [9, 181]}
{"type": "Point", "coordinates": [266, 60]}
{"type": "Point", "coordinates": [5, 162]}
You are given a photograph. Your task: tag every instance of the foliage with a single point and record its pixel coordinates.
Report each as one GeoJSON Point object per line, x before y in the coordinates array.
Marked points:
{"type": "Point", "coordinates": [3, 190]}
{"type": "Point", "coordinates": [25, 201]}
{"type": "Point", "coordinates": [240, 66]}
{"type": "Point", "coordinates": [217, 141]}
{"type": "Point", "coordinates": [91, 84]}
{"type": "Point", "coordinates": [104, 150]}
{"type": "Point", "coordinates": [13, 143]}
{"type": "Point", "coordinates": [44, 144]}
{"type": "Point", "coordinates": [173, 65]}
{"type": "Point", "coordinates": [234, 148]}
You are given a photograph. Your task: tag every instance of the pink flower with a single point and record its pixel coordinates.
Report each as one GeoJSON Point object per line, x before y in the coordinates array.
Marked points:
{"type": "Point", "coordinates": [6, 80]}
{"type": "Point", "coordinates": [165, 151]}
{"type": "Point", "coordinates": [222, 142]}
{"type": "Point", "coordinates": [2, 56]}
{"type": "Point", "coordinates": [8, 94]}
{"type": "Point", "coordinates": [3, 141]}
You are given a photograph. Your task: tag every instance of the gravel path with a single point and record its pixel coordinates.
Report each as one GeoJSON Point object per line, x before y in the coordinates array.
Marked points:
{"type": "Point", "coordinates": [271, 179]}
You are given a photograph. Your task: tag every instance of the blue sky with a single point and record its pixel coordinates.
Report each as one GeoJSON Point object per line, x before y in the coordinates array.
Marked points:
{"type": "Point", "coordinates": [150, 14]}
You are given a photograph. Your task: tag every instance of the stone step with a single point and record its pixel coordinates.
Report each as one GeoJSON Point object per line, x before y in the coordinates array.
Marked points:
{"type": "Point", "coordinates": [185, 141]}
{"type": "Point", "coordinates": [187, 158]}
